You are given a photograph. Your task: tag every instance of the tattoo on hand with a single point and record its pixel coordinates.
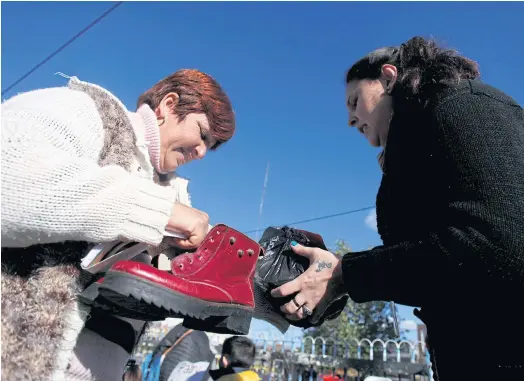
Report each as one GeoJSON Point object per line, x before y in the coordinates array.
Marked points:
{"type": "Point", "coordinates": [321, 265]}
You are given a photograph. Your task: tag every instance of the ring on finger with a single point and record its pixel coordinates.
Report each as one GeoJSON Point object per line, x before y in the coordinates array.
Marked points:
{"type": "Point", "coordinates": [293, 305]}
{"type": "Point", "coordinates": [306, 310]}
{"type": "Point", "coordinates": [299, 300]}
{"type": "Point", "coordinates": [296, 303]}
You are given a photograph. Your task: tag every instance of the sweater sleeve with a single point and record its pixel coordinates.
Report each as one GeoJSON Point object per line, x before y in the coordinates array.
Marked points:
{"type": "Point", "coordinates": [481, 242]}
{"type": "Point", "coordinates": [53, 188]}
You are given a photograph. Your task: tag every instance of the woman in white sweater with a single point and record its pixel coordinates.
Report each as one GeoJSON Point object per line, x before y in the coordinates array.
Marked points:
{"type": "Point", "coordinates": [78, 167]}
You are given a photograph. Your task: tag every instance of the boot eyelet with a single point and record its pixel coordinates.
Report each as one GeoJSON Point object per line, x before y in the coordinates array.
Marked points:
{"type": "Point", "coordinates": [211, 240]}
{"type": "Point", "coordinates": [232, 240]}
{"type": "Point", "coordinates": [250, 252]}
{"type": "Point", "coordinates": [240, 253]}
{"type": "Point", "coordinates": [181, 266]}
{"type": "Point", "coordinates": [190, 261]}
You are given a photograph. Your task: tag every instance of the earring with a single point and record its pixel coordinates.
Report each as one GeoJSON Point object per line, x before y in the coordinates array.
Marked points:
{"type": "Point", "coordinates": [162, 122]}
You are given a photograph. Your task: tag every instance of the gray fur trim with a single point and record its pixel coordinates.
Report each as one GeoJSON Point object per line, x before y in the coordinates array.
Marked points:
{"type": "Point", "coordinates": [33, 323]}
{"type": "Point", "coordinates": [119, 136]}
{"type": "Point", "coordinates": [41, 319]}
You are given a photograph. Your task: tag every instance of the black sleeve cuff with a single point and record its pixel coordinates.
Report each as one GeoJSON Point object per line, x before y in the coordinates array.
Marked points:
{"type": "Point", "coordinates": [362, 276]}
{"type": "Point", "coordinates": [386, 273]}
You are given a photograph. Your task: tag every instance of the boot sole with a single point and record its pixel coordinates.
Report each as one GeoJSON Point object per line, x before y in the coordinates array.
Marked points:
{"type": "Point", "coordinates": [158, 303]}
{"type": "Point", "coordinates": [110, 306]}
{"type": "Point", "coordinates": [91, 297]}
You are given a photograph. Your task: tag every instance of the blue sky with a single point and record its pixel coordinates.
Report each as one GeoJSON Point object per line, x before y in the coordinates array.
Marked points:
{"type": "Point", "coordinates": [283, 66]}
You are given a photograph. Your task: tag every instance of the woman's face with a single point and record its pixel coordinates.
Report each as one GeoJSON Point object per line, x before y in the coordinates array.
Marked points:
{"type": "Point", "coordinates": [370, 107]}
{"type": "Point", "coordinates": [181, 141]}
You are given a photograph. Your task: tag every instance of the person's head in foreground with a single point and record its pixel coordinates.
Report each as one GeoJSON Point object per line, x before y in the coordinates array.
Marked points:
{"type": "Point", "coordinates": [193, 114]}
{"type": "Point", "coordinates": [376, 83]}
{"type": "Point", "coordinates": [237, 352]}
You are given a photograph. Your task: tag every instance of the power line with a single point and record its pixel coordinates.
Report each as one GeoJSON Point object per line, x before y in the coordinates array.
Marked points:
{"type": "Point", "coordinates": [70, 41]}
{"type": "Point", "coordinates": [319, 218]}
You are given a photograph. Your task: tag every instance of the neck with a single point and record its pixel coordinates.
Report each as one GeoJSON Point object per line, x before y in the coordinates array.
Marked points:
{"type": "Point", "coordinates": [146, 119]}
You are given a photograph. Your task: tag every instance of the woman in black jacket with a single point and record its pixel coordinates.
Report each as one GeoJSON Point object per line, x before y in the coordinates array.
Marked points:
{"type": "Point", "coordinates": [450, 210]}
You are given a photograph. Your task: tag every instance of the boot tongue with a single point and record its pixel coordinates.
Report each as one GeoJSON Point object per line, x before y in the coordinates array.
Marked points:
{"type": "Point", "coordinates": [208, 247]}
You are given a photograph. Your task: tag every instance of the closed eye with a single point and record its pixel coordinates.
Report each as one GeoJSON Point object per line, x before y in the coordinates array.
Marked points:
{"type": "Point", "coordinates": [204, 133]}
{"type": "Point", "coordinates": [206, 138]}
{"type": "Point", "coordinates": [352, 103]}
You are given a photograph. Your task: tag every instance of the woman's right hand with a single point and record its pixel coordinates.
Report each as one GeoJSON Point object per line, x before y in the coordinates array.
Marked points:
{"type": "Point", "coordinates": [191, 222]}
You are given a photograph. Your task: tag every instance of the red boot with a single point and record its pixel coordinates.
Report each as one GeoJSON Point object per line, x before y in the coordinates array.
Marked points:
{"type": "Point", "coordinates": [212, 287]}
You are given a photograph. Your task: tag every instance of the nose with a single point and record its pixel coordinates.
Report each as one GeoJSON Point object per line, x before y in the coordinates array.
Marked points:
{"type": "Point", "coordinates": [200, 151]}
{"type": "Point", "coordinates": [352, 121]}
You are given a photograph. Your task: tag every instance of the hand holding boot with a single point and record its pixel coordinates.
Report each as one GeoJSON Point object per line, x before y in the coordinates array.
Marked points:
{"type": "Point", "coordinates": [191, 222]}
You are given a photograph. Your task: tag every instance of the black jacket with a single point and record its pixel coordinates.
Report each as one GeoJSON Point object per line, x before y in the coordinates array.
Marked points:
{"type": "Point", "coordinates": [450, 212]}
{"type": "Point", "coordinates": [193, 348]}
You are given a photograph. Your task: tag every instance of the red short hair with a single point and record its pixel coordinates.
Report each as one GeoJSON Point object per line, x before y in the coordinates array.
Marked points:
{"type": "Point", "coordinates": [198, 93]}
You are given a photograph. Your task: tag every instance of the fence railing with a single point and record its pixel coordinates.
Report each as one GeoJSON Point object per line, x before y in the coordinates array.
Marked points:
{"type": "Point", "coordinates": [308, 349]}
{"type": "Point", "coordinates": [352, 348]}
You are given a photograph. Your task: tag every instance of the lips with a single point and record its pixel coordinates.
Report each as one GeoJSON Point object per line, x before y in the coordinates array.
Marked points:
{"type": "Point", "coordinates": [362, 129]}
{"type": "Point", "coordinates": [186, 155]}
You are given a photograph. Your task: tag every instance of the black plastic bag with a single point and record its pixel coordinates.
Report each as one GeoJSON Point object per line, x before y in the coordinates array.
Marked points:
{"type": "Point", "coordinates": [280, 265]}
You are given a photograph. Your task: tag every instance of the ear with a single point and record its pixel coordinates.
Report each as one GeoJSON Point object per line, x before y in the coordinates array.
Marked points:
{"type": "Point", "coordinates": [388, 76]}
{"type": "Point", "coordinates": [167, 103]}
{"type": "Point", "coordinates": [225, 361]}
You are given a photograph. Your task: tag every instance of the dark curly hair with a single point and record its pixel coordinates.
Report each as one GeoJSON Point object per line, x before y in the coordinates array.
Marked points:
{"type": "Point", "coordinates": [422, 66]}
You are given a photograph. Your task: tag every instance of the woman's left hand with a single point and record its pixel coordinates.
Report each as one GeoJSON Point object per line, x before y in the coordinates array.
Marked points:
{"type": "Point", "coordinates": [317, 287]}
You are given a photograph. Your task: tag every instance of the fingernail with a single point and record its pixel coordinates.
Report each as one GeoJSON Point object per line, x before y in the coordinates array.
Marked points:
{"type": "Point", "coordinates": [293, 243]}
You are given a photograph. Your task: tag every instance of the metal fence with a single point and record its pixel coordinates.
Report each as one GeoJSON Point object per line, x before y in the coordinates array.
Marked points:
{"type": "Point", "coordinates": [352, 348]}
{"type": "Point", "coordinates": [313, 358]}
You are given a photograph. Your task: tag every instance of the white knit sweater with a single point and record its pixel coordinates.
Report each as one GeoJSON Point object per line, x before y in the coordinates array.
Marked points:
{"type": "Point", "coordinates": [52, 186]}
{"type": "Point", "coordinates": [54, 190]}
